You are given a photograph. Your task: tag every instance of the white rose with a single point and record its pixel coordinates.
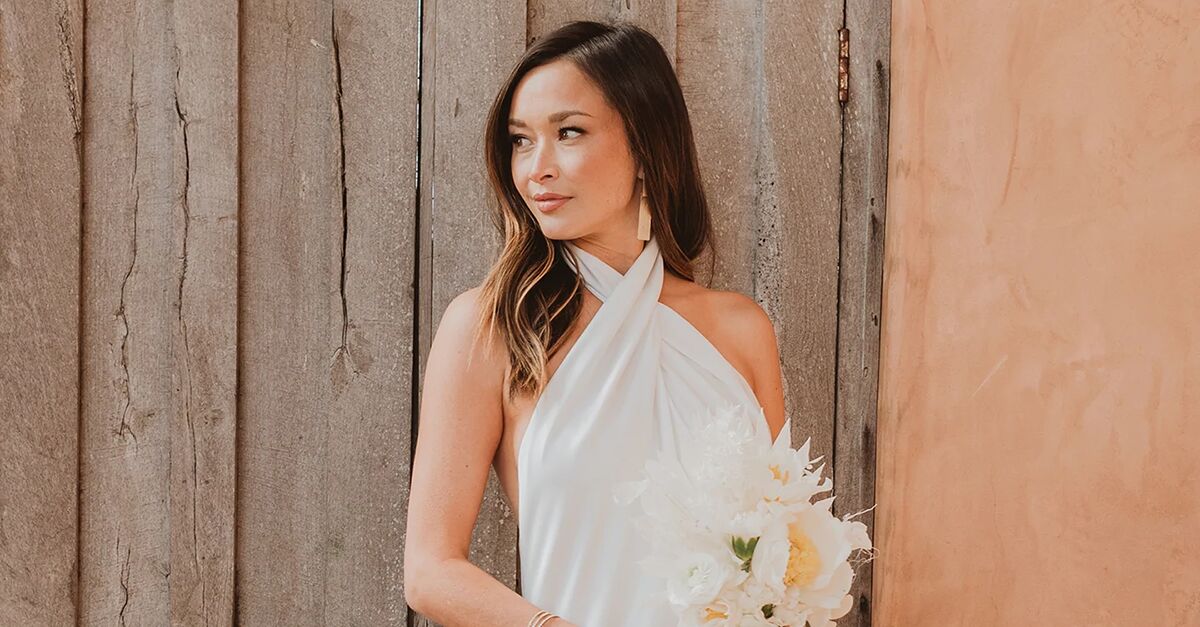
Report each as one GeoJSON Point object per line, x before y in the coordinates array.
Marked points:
{"type": "Point", "coordinates": [698, 580]}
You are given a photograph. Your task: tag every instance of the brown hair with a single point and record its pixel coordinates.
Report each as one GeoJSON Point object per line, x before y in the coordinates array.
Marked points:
{"type": "Point", "coordinates": [531, 295]}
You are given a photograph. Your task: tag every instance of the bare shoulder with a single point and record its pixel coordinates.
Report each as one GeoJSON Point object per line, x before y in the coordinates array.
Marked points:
{"type": "Point", "coordinates": [733, 321]}
{"type": "Point", "coordinates": [743, 332]}
{"type": "Point", "coordinates": [743, 322]}
{"type": "Point", "coordinates": [749, 330]}
{"type": "Point", "coordinates": [461, 334]}
{"type": "Point", "coordinates": [463, 312]}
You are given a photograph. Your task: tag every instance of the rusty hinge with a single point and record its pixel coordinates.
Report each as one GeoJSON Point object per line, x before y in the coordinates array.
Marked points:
{"type": "Point", "coordinates": [843, 65]}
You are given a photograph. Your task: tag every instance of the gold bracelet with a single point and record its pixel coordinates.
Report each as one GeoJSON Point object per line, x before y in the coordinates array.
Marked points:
{"type": "Point", "coordinates": [541, 618]}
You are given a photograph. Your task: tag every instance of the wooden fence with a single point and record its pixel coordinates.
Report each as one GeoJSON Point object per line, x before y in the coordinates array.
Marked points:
{"type": "Point", "coordinates": [228, 231]}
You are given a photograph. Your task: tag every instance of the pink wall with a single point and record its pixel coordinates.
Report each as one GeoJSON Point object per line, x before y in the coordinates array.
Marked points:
{"type": "Point", "coordinates": [1039, 405]}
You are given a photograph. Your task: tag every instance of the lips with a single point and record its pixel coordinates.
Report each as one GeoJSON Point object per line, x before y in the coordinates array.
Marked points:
{"type": "Point", "coordinates": [549, 202]}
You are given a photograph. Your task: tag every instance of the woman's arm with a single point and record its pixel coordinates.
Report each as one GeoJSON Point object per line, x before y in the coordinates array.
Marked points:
{"type": "Point", "coordinates": [460, 427]}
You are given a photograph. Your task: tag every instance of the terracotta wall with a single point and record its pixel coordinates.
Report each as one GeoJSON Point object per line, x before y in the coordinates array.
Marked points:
{"type": "Point", "coordinates": [1039, 422]}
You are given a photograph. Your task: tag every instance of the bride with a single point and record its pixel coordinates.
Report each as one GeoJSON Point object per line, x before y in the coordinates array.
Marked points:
{"type": "Point", "coordinates": [588, 347]}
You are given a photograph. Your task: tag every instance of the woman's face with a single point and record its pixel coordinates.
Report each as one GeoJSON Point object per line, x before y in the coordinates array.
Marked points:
{"type": "Point", "coordinates": [568, 141]}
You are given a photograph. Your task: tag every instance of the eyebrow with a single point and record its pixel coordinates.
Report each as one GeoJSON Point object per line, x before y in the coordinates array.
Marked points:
{"type": "Point", "coordinates": [554, 117]}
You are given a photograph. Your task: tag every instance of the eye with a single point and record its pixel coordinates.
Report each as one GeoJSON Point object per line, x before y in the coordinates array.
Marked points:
{"type": "Point", "coordinates": [515, 140]}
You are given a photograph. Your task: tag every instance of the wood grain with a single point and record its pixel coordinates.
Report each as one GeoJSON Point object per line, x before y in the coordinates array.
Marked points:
{"type": "Point", "coordinates": [158, 377]}
{"type": "Point", "coordinates": [327, 249]}
{"type": "Point", "coordinates": [467, 51]}
{"type": "Point", "coordinates": [761, 86]}
{"type": "Point", "coordinates": [41, 63]}
{"type": "Point", "coordinates": [864, 185]}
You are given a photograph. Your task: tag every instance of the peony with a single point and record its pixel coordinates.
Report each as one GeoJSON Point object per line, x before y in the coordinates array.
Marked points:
{"type": "Point", "coordinates": [771, 557]}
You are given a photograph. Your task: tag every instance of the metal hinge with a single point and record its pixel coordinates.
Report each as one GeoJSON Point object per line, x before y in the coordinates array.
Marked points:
{"type": "Point", "coordinates": [843, 65]}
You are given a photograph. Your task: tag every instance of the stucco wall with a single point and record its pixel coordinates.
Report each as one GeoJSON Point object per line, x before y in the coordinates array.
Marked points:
{"type": "Point", "coordinates": [1040, 355]}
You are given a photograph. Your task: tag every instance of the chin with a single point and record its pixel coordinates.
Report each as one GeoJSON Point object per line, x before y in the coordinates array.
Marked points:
{"type": "Point", "coordinates": [560, 232]}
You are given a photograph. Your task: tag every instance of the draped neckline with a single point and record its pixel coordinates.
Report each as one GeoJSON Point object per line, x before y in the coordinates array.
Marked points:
{"type": "Point", "coordinates": [648, 255]}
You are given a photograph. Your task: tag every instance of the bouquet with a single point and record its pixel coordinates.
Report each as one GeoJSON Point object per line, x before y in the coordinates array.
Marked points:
{"type": "Point", "coordinates": [734, 534]}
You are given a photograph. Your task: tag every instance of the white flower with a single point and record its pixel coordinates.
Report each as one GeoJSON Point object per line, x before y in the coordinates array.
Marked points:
{"type": "Point", "coordinates": [789, 477]}
{"type": "Point", "coordinates": [822, 576]}
{"type": "Point", "coordinates": [722, 612]}
{"type": "Point", "coordinates": [770, 561]}
{"type": "Point", "coordinates": [699, 578]}
{"type": "Point", "coordinates": [786, 614]}
{"type": "Point", "coordinates": [856, 532]}
{"type": "Point", "coordinates": [819, 617]}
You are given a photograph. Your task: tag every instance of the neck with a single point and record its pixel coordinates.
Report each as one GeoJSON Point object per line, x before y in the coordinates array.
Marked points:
{"type": "Point", "coordinates": [619, 256]}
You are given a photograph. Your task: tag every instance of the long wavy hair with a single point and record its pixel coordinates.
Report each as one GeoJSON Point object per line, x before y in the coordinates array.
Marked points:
{"type": "Point", "coordinates": [531, 297]}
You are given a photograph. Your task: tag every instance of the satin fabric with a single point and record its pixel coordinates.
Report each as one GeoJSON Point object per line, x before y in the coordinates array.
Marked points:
{"type": "Point", "coordinates": [637, 378]}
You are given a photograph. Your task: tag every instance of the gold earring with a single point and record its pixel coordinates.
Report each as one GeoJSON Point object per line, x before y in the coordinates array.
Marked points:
{"type": "Point", "coordinates": [644, 215]}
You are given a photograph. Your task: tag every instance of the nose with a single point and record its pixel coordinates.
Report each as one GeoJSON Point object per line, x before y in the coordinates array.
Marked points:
{"type": "Point", "coordinates": [543, 165]}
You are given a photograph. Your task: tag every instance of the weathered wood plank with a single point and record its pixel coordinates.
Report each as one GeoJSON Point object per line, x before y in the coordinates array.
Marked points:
{"type": "Point", "coordinates": [795, 255]}
{"type": "Point", "coordinates": [718, 63]}
{"type": "Point", "coordinates": [656, 16]}
{"type": "Point", "coordinates": [327, 256]}
{"type": "Point", "coordinates": [159, 305]}
{"type": "Point", "coordinates": [467, 51]}
{"type": "Point", "coordinates": [40, 123]}
{"type": "Point", "coordinates": [760, 82]}
{"type": "Point", "coordinates": [368, 465]}
{"type": "Point", "coordinates": [290, 310]}
{"type": "Point", "coordinates": [860, 292]}
{"type": "Point", "coordinates": [203, 427]}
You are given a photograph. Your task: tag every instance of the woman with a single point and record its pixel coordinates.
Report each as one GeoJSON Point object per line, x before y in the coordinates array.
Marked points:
{"type": "Point", "coordinates": [588, 346]}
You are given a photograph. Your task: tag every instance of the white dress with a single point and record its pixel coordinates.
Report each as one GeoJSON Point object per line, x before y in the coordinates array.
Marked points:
{"type": "Point", "coordinates": [635, 379]}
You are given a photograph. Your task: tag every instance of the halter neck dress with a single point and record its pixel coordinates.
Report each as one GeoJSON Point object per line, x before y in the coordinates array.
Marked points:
{"type": "Point", "coordinates": [638, 377]}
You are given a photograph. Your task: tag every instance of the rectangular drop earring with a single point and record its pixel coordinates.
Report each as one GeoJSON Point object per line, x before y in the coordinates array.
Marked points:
{"type": "Point", "coordinates": [644, 216]}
